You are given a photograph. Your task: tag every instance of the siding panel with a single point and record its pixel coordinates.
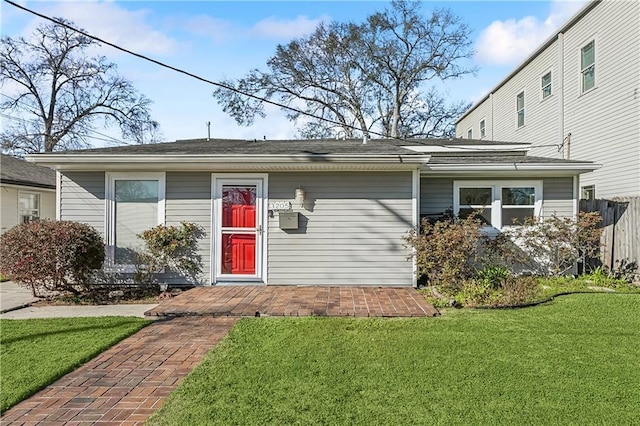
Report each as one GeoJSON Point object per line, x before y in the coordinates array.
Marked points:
{"type": "Point", "coordinates": [188, 199]}
{"type": "Point", "coordinates": [350, 230]}
{"type": "Point", "coordinates": [82, 198]}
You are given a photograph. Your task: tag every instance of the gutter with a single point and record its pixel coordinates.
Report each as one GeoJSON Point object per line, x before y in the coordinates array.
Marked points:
{"type": "Point", "coordinates": [551, 167]}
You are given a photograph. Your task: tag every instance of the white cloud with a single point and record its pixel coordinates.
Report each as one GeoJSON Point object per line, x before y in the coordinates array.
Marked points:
{"type": "Point", "coordinates": [217, 29]}
{"type": "Point", "coordinates": [286, 29]}
{"type": "Point", "coordinates": [111, 22]}
{"type": "Point", "coordinates": [509, 42]}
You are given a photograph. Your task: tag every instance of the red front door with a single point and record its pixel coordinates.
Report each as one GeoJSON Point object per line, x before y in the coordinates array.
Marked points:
{"type": "Point", "coordinates": [238, 231]}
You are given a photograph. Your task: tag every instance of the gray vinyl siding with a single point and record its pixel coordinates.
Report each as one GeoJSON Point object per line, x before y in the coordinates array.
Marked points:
{"type": "Point", "coordinates": [604, 122]}
{"type": "Point", "coordinates": [557, 197]}
{"type": "Point", "coordinates": [436, 196]}
{"type": "Point", "coordinates": [188, 199]}
{"type": "Point", "coordinates": [350, 232]}
{"type": "Point", "coordinates": [82, 198]}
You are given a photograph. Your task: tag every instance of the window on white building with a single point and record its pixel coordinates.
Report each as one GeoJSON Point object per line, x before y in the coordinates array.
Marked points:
{"type": "Point", "coordinates": [483, 130]}
{"type": "Point", "coordinates": [28, 207]}
{"type": "Point", "coordinates": [546, 85]}
{"type": "Point", "coordinates": [520, 109]}
{"type": "Point", "coordinates": [588, 66]}
{"type": "Point", "coordinates": [470, 134]}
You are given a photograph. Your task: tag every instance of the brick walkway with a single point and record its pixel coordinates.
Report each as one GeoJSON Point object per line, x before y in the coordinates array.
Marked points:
{"type": "Point", "coordinates": [125, 384]}
{"type": "Point", "coordinates": [297, 301]}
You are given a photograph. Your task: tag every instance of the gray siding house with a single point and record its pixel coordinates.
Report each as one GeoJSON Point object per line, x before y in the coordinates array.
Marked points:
{"type": "Point", "coordinates": [27, 192]}
{"type": "Point", "coordinates": [313, 212]}
{"type": "Point", "coordinates": [577, 96]}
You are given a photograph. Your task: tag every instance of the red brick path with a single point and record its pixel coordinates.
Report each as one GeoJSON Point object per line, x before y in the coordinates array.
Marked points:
{"type": "Point", "coordinates": [125, 384]}
{"type": "Point", "coordinates": [297, 301]}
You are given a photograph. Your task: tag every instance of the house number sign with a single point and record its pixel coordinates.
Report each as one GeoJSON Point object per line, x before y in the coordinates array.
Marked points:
{"type": "Point", "coordinates": [279, 205]}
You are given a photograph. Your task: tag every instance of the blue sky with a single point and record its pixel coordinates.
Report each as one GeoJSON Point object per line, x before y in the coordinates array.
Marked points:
{"type": "Point", "coordinates": [225, 39]}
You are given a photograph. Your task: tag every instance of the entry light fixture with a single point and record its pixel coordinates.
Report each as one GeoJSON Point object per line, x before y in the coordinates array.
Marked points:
{"type": "Point", "coordinates": [300, 196]}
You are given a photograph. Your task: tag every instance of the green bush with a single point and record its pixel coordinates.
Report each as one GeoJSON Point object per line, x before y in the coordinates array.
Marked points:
{"type": "Point", "coordinates": [446, 251]}
{"type": "Point", "coordinates": [51, 256]}
{"type": "Point", "coordinates": [173, 247]}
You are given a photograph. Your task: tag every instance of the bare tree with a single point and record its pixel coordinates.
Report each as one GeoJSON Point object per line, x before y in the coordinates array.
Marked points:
{"type": "Point", "coordinates": [62, 94]}
{"type": "Point", "coordinates": [361, 78]}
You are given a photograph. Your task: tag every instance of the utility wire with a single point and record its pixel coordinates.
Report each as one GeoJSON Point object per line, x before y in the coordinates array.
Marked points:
{"type": "Point", "coordinates": [181, 71]}
{"type": "Point", "coordinates": [211, 82]}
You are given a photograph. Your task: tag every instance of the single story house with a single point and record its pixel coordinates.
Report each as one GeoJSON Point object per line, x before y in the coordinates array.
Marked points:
{"type": "Point", "coordinates": [304, 212]}
{"type": "Point", "coordinates": [27, 192]}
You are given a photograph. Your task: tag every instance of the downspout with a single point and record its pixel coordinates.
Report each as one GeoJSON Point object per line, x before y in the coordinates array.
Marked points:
{"type": "Point", "coordinates": [415, 200]}
{"type": "Point", "coordinates": [561, 88]}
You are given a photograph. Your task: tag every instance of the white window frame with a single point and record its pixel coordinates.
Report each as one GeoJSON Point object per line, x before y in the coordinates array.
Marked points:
{"type": "Point", "coordinates": [38, 210]}
{"type": "Point", "coordinates": [110, 229]}
{"type": "Point", "coordinates": [470, 133]}
{"type": "Point", "coordinates": [483, 128]}
{"type": "Point", "coordinates": [543, 86]}
{"type": "Point", "coordinates": [518, 110]}
{"type": "Point", "coordinates": [584, 69]}
{"type": "Point", "coordinates": [496, 203]}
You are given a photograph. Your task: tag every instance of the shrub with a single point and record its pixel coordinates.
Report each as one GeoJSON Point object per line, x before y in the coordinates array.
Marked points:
{"type": "Point", "coordinates": [174, 247]}
{"type": "Point", "coordinates": [51, 256]}
{"type": "Point", "coordinates": [445, 251]}
{"type": "Point", "coordinates": [553, 246]}
{"type": "Point", "coordinates": [493, 276]}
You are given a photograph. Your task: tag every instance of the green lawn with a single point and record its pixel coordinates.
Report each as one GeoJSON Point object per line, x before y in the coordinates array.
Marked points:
{"type": "Point", "coordinates": [36, 352]}
{"type": "Point", "coordinates": [573, 361]}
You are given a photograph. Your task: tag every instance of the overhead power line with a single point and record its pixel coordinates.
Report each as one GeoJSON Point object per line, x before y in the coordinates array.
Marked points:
{"type": "Point", "coordinates": [205, 80]}
{"type": "Point", "coordinates": [181, 71]}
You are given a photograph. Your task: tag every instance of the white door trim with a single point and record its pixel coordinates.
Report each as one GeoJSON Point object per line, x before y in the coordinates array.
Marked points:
{"type": "Point", "coordinates": [261, 180]}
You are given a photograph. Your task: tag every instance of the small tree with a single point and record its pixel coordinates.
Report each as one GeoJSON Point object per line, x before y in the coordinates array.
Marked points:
{"type": "Point", "coordinates": [48, 256]}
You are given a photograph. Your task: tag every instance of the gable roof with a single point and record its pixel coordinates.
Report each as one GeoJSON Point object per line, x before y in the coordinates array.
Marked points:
{"type": "Point", "coordinates": [15, 171]}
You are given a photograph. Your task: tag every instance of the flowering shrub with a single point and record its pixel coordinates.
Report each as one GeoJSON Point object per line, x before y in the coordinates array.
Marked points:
{"type": "Point", "coordinates": [51, 256]}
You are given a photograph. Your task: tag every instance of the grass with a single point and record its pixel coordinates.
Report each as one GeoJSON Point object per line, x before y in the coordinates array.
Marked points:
{"type": "Point", "coordinates": [573, 361]}
{"type": "Point", "coordinates": [36, 352]}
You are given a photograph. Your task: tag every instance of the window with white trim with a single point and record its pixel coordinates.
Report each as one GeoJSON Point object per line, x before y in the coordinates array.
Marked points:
{"type": "Point", "coordinates": [499, 203]}
{"type": "Point", "coordinates": [520, 109]}
{"type": "Point", "coordinates": [470, 134]}
{"type": "Point", "coordinates": [135, 204]}
{"type": "Point", "coordinates": [483, 128]}
{"type": "Point", "coordinates": [28, 207]}
{"type": "Point", "coordinates": [588, 66]}
{"type": "Point", "coordinates": [545, 83]}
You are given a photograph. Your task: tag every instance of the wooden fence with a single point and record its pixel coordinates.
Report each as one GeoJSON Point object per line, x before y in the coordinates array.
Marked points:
{"type": "Point", "coordinates": [621, 223]}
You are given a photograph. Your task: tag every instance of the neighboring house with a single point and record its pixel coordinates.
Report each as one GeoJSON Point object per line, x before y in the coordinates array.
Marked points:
{"type": "Point", "coordinates": [578, 97]}
{"type": "Point", "coordinates": [306, 212]}
{"type": "Point", "coordinates": [27, 192]}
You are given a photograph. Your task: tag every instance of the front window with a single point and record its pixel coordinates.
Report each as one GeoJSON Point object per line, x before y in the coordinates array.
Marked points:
{"type": "Point", "coordinates": [136, 205]}
{"type": "Point", "coordinates": [546, 85]}
{"type": "Point", "coordinates": [483, 131]}
{"type": "Point", "coordinates": [500, 203]}
{"type": "Point", "coordinates": [28, 207]}
{"type": "Point", "coordinates": [520, 109]}
{"type": "Point", "coordinates": [470, 134]}
{"type": "Point", "coordinates": [517, 204]}
{"type": "Point", "coordinates": [588, 66]}
{"type": "Point", "coordinates": [476, 199]}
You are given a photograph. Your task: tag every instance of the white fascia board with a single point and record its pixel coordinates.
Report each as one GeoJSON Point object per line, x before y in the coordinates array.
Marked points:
{"type": "Point", "coordinates": [470, 149]}
{"type": "Point", "coordinates": [227, 162]}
